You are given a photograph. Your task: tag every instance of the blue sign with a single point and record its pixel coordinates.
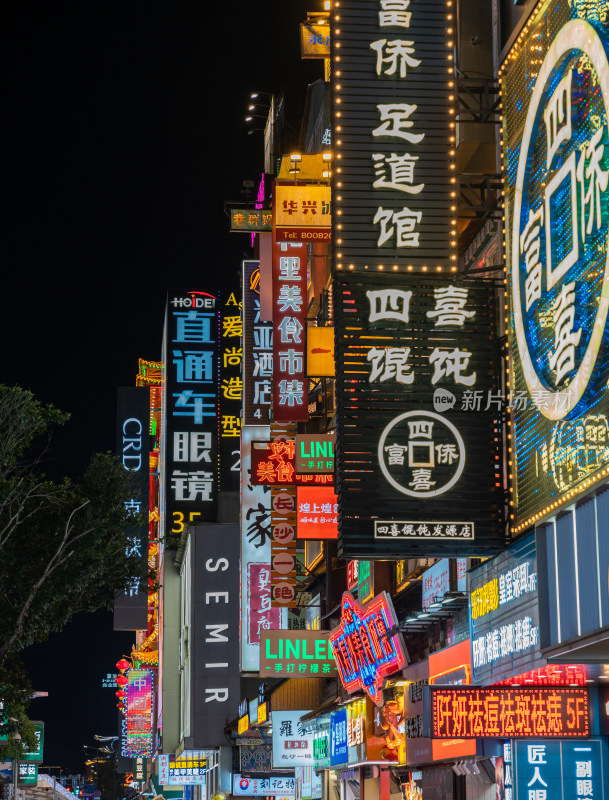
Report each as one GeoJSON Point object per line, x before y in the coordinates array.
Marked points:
{"type": "Point", "coordinates": [504, 615]}
{"type": "Point", "coordinates": [560, 770]}
{"type": "Point", "coordinates": [339, 749]}
{"type": "Point", "coordinates": [557, 170]}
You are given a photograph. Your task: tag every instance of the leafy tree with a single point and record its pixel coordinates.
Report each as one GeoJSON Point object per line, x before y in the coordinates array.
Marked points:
{"type": "Point", "coordinates": [62, 543]}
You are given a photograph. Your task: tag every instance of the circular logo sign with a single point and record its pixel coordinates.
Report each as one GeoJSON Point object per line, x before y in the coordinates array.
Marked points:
{"type": "Point", "coordinates": [560, 256]}
{"type": "Point", "coordinates": [421, 454]}
{"type": "Point", "coordinates": [283, 592]}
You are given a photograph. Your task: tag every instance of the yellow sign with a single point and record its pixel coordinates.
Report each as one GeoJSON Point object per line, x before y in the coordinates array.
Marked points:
{"type": "Point", "coordinates": [485, 599]}
{"type": "Point", "coordinates": [243, 724]}
{"type": "Point", "coordinates": [320, 353]}
{"type": "Point", "coordinates": [263, 713]}
{"type": "Point", "coordinates": [315, 39]}
{"type": "Point", "coordinates": [303, 211]}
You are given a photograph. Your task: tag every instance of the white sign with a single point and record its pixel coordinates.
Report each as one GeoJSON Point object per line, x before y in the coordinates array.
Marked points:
{"type": "Point", "coordinates": [263, 787]}
{"type": "Point", "coordinates": [292, 743]}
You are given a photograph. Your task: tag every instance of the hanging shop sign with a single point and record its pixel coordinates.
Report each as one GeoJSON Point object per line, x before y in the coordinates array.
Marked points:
{"type": "Point", "coordinates": [296, 654]}
{"type": "Point", "coordinates": [560, 770]}
{"type": "Point", "coordinates": [274, 464]}
{"type": "Point", "coordinates": [191, 408]}
{"type": "Point", "coordinates": [231, 388]}
{"type": "Point", "coordinates": [292, 742]}
{"type": "Point", "coordinates": [339, 749]}
{"type": "Point", "coordinates": [447, 575]}
{"type": "Point", "coordinates": [419, 418]}
{"type": "Point", "coordinates": [314, 453]}
{"type": "Point", "coordinates": [504, 615]}
{"type": "Point", "coordinates": [257, 613]}
{"type": "Point", "coordinates": [317, 514]}
{"type": "Point", "coordinates": [283, 547]}
{"type": "Point", "coordinates": [320, 352]}
{"type": "Point", "coordinates": [393, 87]}
{"type": "Point", "coordinates": [315, 39]}
{"type": "Point", "coordinates": [140, 722]}
{"type": "Point", "coordinates": [27, 774]}
{"type": "Point", "coordinates": [250, 220]}
{"type": "Point", "coordinates": [290, 383]}
{"type": "Point", "coordinates": [182, 771]}
{"type": "Point", "coordinates": [508, 712]}
{"type": "Point", "coordinates": [321, 742]}
{"type": "Point", "coordinates": [133, 449]}
{"type": "Point", "coordinates": [556, 166]}
{"type": "Point", "coordinates": [302, 213]}
{"type": "Point", "coordinates": [37, 753]}
{"type": "Point", "coordinates": [257, 351]}
{"type": "Point", "coordinates": [365, 650]}
{"type": "Point", "coordinates": [273, 786]}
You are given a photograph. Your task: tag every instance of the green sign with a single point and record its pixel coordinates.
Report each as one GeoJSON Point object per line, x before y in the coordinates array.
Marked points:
{"type": "Point", "coordinates": [36, 755]}
{"type": "Point", "coordinates": [321, 749]}
{"type": "Point", "coordinates": [314, 453]}
{"type": "Point", "coordinates": [365, 581]}
{"type": "Point", "coordinates": [296, 654]}
{"type": "Point", "coordinates": [28, 773]}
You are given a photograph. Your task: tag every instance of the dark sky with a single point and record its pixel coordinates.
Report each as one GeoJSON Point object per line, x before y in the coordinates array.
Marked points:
{"type": "Point", "coordinates": [123, 135]}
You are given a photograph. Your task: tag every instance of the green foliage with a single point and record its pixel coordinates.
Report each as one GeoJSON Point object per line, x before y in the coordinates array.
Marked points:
{"type": "Point", "coordinates": [62, 543]}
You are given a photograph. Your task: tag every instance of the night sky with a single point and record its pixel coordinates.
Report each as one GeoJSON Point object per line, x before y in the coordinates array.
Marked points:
{"type": "Point", "coordinates": [123, 136]}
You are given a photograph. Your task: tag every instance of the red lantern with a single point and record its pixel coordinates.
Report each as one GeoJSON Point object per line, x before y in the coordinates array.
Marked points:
{"type": "Point", "coordinates": [121, 680]}
{"type": "Point", "coordinates": [122, 665]}
{"type": "Point", "coordinates": [120, 694]}
{"type": "Point", "coordinates": [120, 705]}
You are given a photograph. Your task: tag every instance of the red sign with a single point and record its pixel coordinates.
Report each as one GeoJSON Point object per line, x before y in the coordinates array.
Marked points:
{"type": "Point", "coordinates": [273, 464]}
{"type": "Point", "coordinates": [505, 713]}
{"type": "Point", "coordinates": [290, 383]}
{"type": "Point", "coordinates": [317, 512]}
{"type": "Point", "coordinates": [365, 654]}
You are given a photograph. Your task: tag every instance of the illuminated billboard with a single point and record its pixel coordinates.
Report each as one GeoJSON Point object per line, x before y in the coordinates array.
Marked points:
{"type": "Point", "coordinates": [365, 650]}
{"type": "Point", "coordinates": [556, 169]}
{"type": "Point", "coordinates": [393, 82]}
{"type": "Point", "coordinates": [140, 721]}
{"type": "Point", "coordinates": [420, 412]}
{"type": "Point", "coordinates": [509, 712]}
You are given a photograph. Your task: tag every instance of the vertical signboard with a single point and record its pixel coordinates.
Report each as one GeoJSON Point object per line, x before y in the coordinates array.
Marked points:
{"type": "Point", "coordinates": [257, 613]}
{"type": "Point", "coordinates": [283, 547]}
{"type": "Point", "coordinates": [214, 635]}
{"type": "Point", "coordinates": [132, 447]}
{"type": "Point", "coordinates": [139, 736]}
{"type": "Point", "coordinates": [394, 96]}
{"type": "Point", "coordinates": [419, 417]}
{"type": "Point", "coordinates": [292, 742]}
{"type": "Point", "coordinates": [231, 388]}
{"type": "Point", "coordinates": [257, 351]}
{"type": "Point", "coordinates": [290, 384]}
{"type": "Point", "coordinates": [504, 615]}
{"type": "Point", "coordinates": [560, 770]}
{"type": "Point", "coordinates": [191, 409]}
{"type": "Point", "coordinates": [556, 168]}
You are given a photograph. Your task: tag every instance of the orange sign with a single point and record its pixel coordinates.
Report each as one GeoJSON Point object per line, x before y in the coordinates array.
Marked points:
{"type": "Point", "coordinates": [317, 512]}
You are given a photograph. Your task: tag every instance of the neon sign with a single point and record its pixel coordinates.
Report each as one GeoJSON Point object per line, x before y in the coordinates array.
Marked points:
{"type": "Point", "coordinates": [139, 717]}
{"type": "Point", "coordinates": [365, 651]}
{"type": "Point", "coordinates": [505, 713]}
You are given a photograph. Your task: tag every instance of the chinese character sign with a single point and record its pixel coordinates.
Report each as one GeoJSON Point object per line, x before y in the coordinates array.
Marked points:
{"type": "Point", "coordinates": [302, 213]}
{"type": "Point", "coordinates": [504, 614]}
{"type": "Point", "coordinates": [191, 408]}
{"type": "Point", "coordinates": [317, 512]}
{"type": "Point", "coordinates": [419, 417]}
{"type": "Point", "coordinates": [257, 613]}
{"type": "Point", "coordinates": [394, 88]}
{"type": "Point", "coordinates": [292, 742]}
{"type": "Point", "coordinates": [231, 388]}
{"type": "Point", "coordinates": [139, 714]}
{"type": "Point", "coordinates": [560, 770]}
{"type": "Point", "coordinates": [509, 712]}
{"type": "Point", "coordinates": [556, 164]}
{"type": "Point", "coordinates": [365, 647]}
{"type": "Point", "coordinates": [133, 447]}
{"type": "Point", "coordinates": [290, 384]}
{"type": "Point", "coordinates": [257, 351]}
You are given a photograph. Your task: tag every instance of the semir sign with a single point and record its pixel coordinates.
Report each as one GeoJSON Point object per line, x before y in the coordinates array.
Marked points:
{"type": "Point", "coordinates": [364, 646]}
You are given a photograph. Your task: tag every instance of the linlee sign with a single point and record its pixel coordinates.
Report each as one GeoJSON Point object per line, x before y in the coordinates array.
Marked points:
{"type": "Point", "coordinates": [296, 654]}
